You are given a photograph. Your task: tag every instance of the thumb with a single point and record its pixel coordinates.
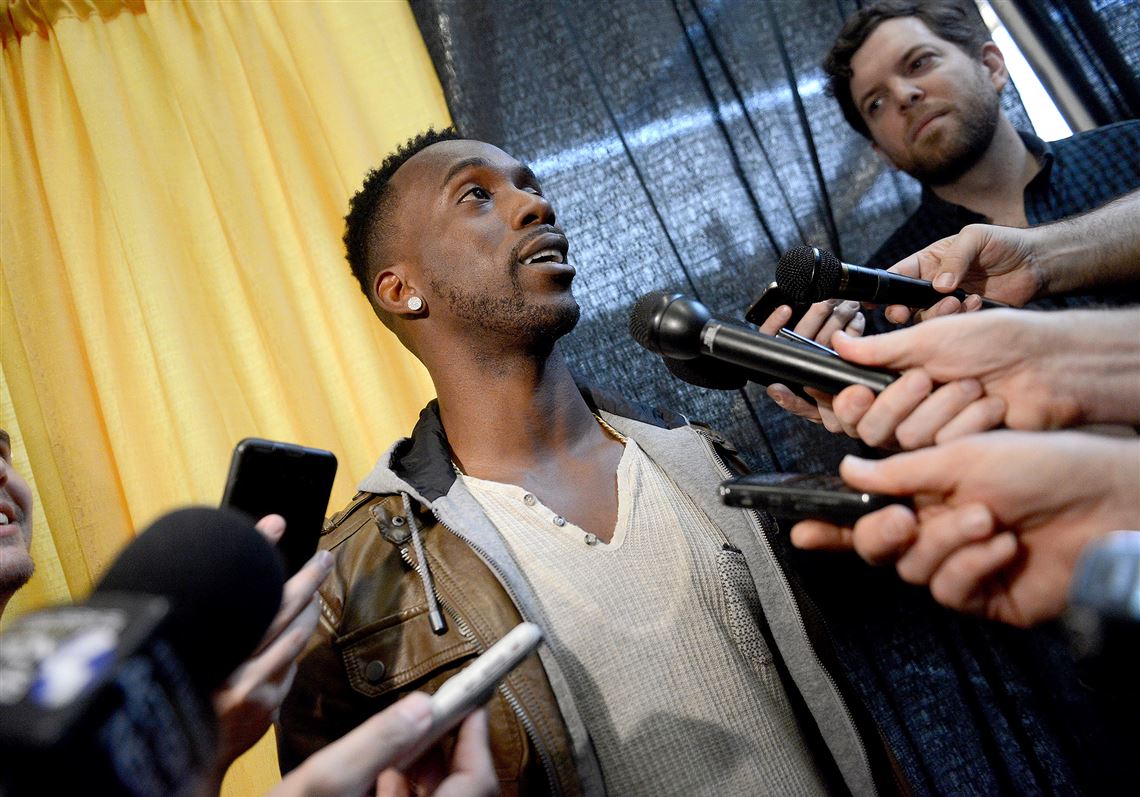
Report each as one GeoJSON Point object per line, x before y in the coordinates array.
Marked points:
{"type": "Point", "coordinates": [899, 349]}
{"type": "Point", "coordinates": [923, 471]}
{"type": "Point", "coordinates": [959, 255]}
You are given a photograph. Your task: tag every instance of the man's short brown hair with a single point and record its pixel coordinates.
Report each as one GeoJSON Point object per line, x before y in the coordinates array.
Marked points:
{"type": "Point", "coordinates": [956, 21]}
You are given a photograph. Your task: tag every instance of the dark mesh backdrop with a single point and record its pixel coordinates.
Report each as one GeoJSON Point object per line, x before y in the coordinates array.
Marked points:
{"type": "Point", "coordinates": [1096, 45]}
{"type": "Point", "coordinates": [684, 146]}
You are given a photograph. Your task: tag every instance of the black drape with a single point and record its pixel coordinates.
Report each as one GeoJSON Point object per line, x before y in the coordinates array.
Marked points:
{"type": "Point", "coordinates": [1096, 44]}
{"type": "Point", "coordinates": [684, 144]}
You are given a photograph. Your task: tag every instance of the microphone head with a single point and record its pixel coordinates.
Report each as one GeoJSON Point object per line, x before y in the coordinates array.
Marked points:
{"type": "Point", "coordinates": [668, 324]}
{"type": "Point", "coordinates": [222, 579]}
{"type": "Point", "coordinates": [707, 372]}
{"type": "Point", "coordinates": [808, 274]}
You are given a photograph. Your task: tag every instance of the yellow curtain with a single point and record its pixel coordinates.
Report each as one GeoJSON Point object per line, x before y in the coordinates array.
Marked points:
{"type": "Point", "coordinates": [173, 178]}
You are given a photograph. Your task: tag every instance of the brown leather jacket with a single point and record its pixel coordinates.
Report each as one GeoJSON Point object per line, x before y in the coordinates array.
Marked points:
{"type": "Point", "coordinates": [375, 642]}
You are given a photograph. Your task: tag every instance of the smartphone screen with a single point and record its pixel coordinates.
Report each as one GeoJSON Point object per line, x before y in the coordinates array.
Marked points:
{"type": "Point", "coordinates": [270, 477]}
{"type": "Point", "coordinates": [797, 496]}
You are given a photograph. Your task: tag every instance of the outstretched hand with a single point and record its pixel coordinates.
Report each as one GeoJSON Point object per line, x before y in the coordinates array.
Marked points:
{"type": "Point", "coordinates": [982, 260]}
{"type": "Point", "coordinates": [363, 759]}
{"type": "Point", "coordinates": [1000, 518]}
{"type": "Point", "coordinates": [247, 702]}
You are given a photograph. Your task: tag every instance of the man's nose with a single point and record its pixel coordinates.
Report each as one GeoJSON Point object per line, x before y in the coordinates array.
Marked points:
{"type": "Point", "coordinates": [907, 93]}
{"type": "Point", "coordinates": [531, 208]}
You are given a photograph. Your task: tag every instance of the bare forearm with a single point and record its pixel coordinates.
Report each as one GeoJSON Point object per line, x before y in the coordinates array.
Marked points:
{"type": "Point", "coordinates": [1095, 249]}
{"type": "Point", "coordinates": [1096, 363]}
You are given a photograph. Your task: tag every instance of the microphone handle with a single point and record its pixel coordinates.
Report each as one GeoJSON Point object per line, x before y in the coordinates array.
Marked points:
{"type": "Point", "coordinates": [784, 362]}
{"type": "Point", "coordinates": [877, 286]}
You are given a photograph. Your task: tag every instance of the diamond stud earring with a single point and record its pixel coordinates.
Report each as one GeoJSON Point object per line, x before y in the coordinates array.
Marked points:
{"type": "Point", "coordinates": [415, 304]}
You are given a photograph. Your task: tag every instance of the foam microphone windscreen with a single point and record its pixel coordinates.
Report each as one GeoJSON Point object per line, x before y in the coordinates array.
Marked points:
{"type": "Point", "coordinates": [222, 579]}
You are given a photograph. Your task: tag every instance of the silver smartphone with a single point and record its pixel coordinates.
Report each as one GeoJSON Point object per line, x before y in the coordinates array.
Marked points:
{"type": "Point", "coordinates": [473, 686]}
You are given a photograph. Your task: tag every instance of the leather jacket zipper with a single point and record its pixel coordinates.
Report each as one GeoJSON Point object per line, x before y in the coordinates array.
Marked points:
{"type": "Point", "coordinates": [465, 631]}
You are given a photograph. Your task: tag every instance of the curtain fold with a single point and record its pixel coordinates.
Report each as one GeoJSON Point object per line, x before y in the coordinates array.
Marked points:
{"type": "Point", "coordinates": [1096, 46]}
{"type": "Point", "coordinates": [173, 186]}
{"type": "Point", "coordinates": [685, 145]}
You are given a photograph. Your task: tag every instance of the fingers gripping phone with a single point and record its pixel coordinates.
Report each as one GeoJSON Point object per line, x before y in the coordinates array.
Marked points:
{"type": "Point", "coordinates": [767, 302]}
{"type": "Point", "coordinates": [798, 496]}
{"type": "Point", "coordinates": [473, 686]}
{"type": "Point", "coordinates": [293, 481]}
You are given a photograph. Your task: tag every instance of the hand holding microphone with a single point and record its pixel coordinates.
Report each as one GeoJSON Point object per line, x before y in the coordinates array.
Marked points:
{"type": "Point", "coordinates": [809, 274]}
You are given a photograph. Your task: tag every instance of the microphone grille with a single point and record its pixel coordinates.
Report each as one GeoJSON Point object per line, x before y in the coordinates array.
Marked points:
{"type": "Point", "coordinates": [808, 274]}
{"type": "Point", "coordinates": [641, 316]}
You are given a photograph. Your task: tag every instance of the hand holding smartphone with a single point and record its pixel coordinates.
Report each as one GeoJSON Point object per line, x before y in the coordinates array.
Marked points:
{"type": "Point", "coordinates": [799, 496]}
{"type": "Point", "coordinates": [473, 686]}
{"type": "Point", "coordinates": [268, 477]}
{"type": "Point", "coordinates": [767, 302]}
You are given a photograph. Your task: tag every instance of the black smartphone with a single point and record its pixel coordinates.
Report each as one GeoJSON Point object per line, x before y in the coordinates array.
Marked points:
{"type": "Point", "coordinates": [772, 297]}
{"type": "Point", "coordinates": [797, 496]}
{"type": "Point", "coordinates": [269, 477]}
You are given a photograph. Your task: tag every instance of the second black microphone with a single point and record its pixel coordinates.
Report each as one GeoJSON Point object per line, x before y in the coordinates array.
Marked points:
{"type": "Point", "coordinates": [809, 274]}
{"type": "Point", "coordinates": [675, 326]}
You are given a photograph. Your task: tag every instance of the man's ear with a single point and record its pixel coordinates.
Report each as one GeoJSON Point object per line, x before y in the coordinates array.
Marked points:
{"type": "Point", "coordinates": [994, 62]}
{"type": "Point", "coordinates": [391, 291]}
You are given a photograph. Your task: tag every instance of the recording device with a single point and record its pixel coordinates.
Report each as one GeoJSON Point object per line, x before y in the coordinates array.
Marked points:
{"type": "Point", "coordinates": [767, 302]}
{"type": "Point", "coordinates": [797, 496]}
{"type": "Point", "coordinates": [290, 480]}
{"type": "Point", "coordinates": [473, 686]}
{"type": "Point", "coordinates": [112, 696]}
{"type": "Point", "coordinates": [1103, 616]}
{"type": "Point", "coordinates": [809, 274]}
{"type": "Point", "coordinates": [674, 326]}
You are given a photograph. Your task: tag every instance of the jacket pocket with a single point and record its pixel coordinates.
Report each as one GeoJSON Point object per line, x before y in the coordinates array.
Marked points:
{"type": "Point", "coordinates": [399, 650]}
{"type": "Point", "coordinates": [742, 605]}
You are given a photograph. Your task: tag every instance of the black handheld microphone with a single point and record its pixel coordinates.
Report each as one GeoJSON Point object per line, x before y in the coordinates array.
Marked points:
{"type": "Point", "coordinates": [674, 326]}
{"type": "Point", "coordinates": [112, 696]}
{"type": "Point", "coordinates": [810, 274]}
{"type": "Point", "coordinates": [707, 372]}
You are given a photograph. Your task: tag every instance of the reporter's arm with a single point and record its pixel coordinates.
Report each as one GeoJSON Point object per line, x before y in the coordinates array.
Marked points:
{"type": "Point", "coordinates": [245, 705]}
{"type": "Point", "coordinates": [1015, 265]}
{"type": "Point", "coordinates": [1026, 370]}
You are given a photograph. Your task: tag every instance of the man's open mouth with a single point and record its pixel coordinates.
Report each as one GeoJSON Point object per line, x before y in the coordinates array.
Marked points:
{"type": "Point", "coordinates": [545, 256]}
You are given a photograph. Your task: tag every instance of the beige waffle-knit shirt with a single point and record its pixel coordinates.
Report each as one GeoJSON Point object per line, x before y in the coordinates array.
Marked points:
{"type": "Point", "coordinates": [658, 635]}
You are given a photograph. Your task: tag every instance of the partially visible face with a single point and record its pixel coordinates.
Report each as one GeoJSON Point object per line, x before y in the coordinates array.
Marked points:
{"type": "Point", "coordinates": [932, 110]}
{"type": "Point", "coordinates": [15, 523]}
{"type": "Point", "coordinates": [474, 222]}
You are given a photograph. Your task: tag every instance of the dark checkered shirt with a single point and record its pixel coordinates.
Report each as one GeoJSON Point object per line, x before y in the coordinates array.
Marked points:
{"type": "Point", "coordinates": [1077, 174]}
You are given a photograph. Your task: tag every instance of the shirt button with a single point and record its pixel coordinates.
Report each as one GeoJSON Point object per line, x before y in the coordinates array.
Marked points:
{"type": "Point", "coordinates": [591, 539]}
{"type": "Point", "coordinates": [559, 520]}
{"type": "Point", "coordinates": [529, 500]}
